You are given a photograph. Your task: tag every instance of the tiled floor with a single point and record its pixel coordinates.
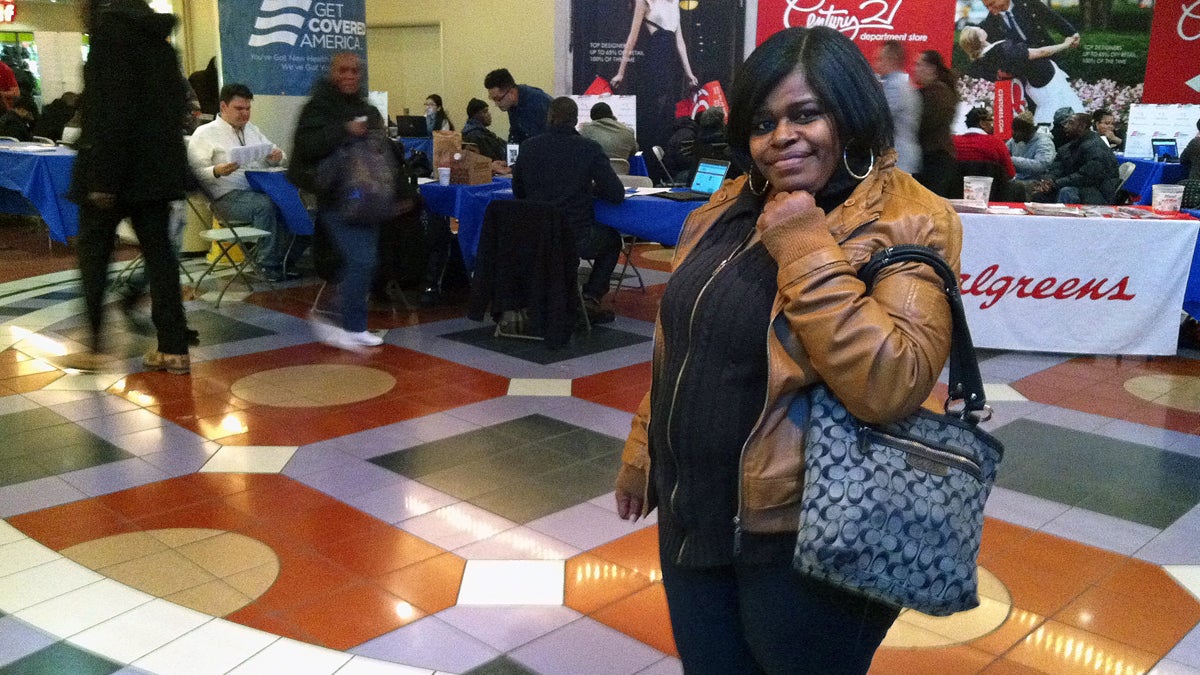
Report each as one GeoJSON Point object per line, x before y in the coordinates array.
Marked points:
{"type": "Point", "coordinates": [443, 504]}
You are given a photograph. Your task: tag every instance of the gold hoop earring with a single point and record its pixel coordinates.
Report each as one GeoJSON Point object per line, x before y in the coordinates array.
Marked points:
{"type": "Point", "coordinates": [846, 163]}
{"type": "Point", "coordinates": [761, 191]}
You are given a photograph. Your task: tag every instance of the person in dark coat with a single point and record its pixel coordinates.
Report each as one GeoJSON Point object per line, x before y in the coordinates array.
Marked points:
{"type": "Point", "coordinates": [205, 84]}
{"type": "Point", "coordinates": [55, 116]}
{"type": "Point", "coordinates": [564, 168]}
{"type": "Point", "coordinates": [1085, 169]}
{"type": "Point", "coordinates": [19, 120]}
{"type": "Point", "coordinates": [338, 112]}
{"type": "Point", "coordinates": [131, 163]}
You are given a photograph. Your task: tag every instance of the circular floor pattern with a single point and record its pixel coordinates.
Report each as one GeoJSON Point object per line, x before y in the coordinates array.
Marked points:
{"type": "Point", "coordinates": [1181, 392]}
{"type": "Point", "coordinates": [313, 386]}
{"type": "Point", "coordinates": [914, 629]}
{"type": "Point", "coordinates": [211, 571]}
{"type": "Point", "coordinates": [659, 255]}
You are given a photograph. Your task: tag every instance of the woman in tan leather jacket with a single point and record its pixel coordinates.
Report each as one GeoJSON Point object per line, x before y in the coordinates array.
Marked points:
{"type": "Point", "coordinates": [763, 302]}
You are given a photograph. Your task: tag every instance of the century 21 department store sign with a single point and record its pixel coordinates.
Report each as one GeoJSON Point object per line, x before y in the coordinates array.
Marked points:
{"type": "Point", "coordinates": [280, 47]}
{"type": "Point", "coordinates": [8, 13]}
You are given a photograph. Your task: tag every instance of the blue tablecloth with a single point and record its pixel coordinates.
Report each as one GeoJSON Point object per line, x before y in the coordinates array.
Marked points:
{"type": "Point", "coordinates": [285, 197]}
{"type": "Point", "coordinates": [649, 218]}
{"type": "Point", "coordinates": [646, 217]}
{"type": "Point", "coordinates": [1148, 173]}
{"type": "Point", "coordinates": [43, 178]}
{"type": "Point", "coordinates": [637, 165]}
{"type": "Point", "coordinates": [466, 203]}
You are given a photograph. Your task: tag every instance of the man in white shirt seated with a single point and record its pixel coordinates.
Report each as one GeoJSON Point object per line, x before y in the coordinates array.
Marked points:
{"type": "Point", "coordinates": [225, 181]}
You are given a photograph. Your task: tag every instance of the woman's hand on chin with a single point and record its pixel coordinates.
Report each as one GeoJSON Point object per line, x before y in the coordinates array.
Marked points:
{"type": "Point", "coordinates": [782, 206]}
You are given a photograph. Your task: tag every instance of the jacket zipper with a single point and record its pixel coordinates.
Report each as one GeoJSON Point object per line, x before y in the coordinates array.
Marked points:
{"type": "Point", "coordinates": [741, 247]}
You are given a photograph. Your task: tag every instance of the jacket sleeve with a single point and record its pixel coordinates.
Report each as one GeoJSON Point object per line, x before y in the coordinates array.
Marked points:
{"type": "Point", "coordinates": [319, 130]}
{"type": "Point", "coordinates": [880, 353]}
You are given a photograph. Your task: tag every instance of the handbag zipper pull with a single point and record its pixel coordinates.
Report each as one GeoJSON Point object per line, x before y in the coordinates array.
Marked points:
{"type": "Point", "coordinates": [737, 535]}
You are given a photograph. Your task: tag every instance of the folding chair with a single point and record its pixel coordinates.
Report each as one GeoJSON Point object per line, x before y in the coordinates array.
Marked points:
{"type": "Point", "coordinates": [628, 240]}
{"type": "Point", "coordinates": [231, 239]}
{"type": "Point", "coordinates": [619, 165]}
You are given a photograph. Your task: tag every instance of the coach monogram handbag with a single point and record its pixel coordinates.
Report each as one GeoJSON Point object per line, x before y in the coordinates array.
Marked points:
{"type": "Point", "coordinates": [895, 511]}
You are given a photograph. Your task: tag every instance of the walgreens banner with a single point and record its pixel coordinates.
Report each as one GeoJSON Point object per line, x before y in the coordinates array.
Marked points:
{"type": "Point", "coordinates": [1173, 66]}
{"type": "Point", "coordinates": [1031, 283]}
{"type": "Point", "coordinates": [920, 24]}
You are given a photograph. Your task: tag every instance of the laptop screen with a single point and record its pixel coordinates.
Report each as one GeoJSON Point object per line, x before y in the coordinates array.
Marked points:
{"type": "Point", "coordinates": [1164, 147]}
{"type": "Point", "coordinates": [709, 174]}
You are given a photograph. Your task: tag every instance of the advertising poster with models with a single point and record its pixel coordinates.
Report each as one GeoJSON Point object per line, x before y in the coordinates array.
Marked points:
{"type": "Point", "coordinates": [280, 47]}
{"type": "Point", "coordinates": [1085, 55]}
{"type": "Point", "coordinates": [677, 58]}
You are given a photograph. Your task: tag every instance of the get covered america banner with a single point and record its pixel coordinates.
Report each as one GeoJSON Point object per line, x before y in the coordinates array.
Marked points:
{"type": "Point", "coordinates": [919, 24]}
{"type": "Point", "coordinates": [280, 47]}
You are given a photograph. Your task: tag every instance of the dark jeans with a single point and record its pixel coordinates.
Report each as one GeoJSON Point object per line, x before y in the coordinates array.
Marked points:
{"type": "Point", "coordinates": [97, 237]}
{"type": "Point", "coordinates": [767, 618]}
{"type": "Point", "coordinates": [602, 245]}
{"type": "Point", "coordinates": [357, 247]}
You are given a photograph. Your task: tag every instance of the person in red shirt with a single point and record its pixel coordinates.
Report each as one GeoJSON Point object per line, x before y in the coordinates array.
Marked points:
{"type": "Point", "coordinates": [9, 90]}
{"type": "Point", "coordinates": [979, 145]}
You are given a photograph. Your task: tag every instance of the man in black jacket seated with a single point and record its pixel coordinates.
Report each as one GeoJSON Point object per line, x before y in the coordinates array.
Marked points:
{"type": "Point", "coordinates": [1085, 169]}
{"type": "Point", "coordinates": [566, 169]}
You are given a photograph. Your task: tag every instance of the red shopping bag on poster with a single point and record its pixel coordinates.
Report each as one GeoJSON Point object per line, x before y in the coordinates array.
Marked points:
{"type": "Point", "coordinates": [711, 95]}
{"type": "Point", "coordinates": [597, 87]}
{"type": "Point", "coordinates": [1009, 101]}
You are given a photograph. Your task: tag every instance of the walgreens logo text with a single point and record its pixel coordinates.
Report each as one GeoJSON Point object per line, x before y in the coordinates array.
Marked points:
{"type": "Point", "coordinates": [993, 286]}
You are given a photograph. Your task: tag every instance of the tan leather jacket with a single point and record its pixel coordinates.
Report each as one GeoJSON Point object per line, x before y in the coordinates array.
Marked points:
{"type": "Point", "coordinates": [880, 353]}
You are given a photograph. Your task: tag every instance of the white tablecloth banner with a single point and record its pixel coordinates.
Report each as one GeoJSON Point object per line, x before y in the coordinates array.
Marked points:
{"type": "Point", "coordinates": [1075, 285]}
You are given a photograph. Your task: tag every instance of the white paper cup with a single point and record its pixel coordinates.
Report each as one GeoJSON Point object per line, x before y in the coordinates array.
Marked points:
{"type": "Point", "coordinates": [443, 175]}
{"type": "Point", "coordinates": [1166, 198]}
{"type": "Point", "coordinates": [977, 189]}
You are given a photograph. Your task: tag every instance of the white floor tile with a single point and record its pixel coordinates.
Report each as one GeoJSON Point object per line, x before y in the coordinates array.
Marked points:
{"type": "Point", "coordinates": [213, 648]}
{"type": "Point", "coordinates": [9, 534]}
{"type": "Point", "coordinates": [401, 501]}
{"type": "Point", "coordinates": [141, 630]}
{"type": "Point", "coordinates": [1102, 531]}
{"type": "Point", "coordinates": [22, 554]}
{"type": "Point", "coordinates": [430, 643]}
{"type": "Point", "coordinates": [53, 398]}
{"type": "Point", "coordinates": [83, 608]}
{"type": "Point", "coordinates": [1188, 576]}
{"type": "Point", "coordinates": [668, 666]}
{"type": "Point", "coordinates": [1002, 392]}
{"type": "Point", "coordinates": [85, 382]}
{"type": "Point", "coordinates": [294, 658]}
{"type": "Point", "coordinates": [457, 525]}
{"type": "Point", "coordinates": [586, 647]}
{"type": "Point", "coordinates": [249, 459]}
{"type": "Point", "coordinates": [512, 582]}
{"type": "Point", "coordinates": [507, 628]}
{"type": "Point", "coordinates": [38, 584]}
{"type": "Point", "coordinates": [538, 387]}
{"type": "Point", "coordinates": [586, 526]}
{"type": "Point", "coordinates": [519, 543]}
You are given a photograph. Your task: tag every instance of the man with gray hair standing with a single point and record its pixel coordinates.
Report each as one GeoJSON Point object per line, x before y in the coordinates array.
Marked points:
{"type": "Point", "coordinates": [904, 103]}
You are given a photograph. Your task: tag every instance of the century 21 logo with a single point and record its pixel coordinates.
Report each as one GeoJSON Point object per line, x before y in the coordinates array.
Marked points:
{"type": "Point", "coordinates": [876, 14]}
{"type": "Point", "coordinates": [1191, 11]}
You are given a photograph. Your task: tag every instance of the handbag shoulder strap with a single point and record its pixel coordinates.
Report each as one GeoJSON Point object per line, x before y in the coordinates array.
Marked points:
{"type": "Point", "coordinates": [966, 383]}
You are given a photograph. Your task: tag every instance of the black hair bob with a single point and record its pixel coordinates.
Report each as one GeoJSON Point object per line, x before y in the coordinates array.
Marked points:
{"type": "Point", "coordinates": [838, 74]}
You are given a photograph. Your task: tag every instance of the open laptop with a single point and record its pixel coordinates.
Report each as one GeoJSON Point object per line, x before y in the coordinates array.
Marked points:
{"type": "Point", "coordinates": [1165, 149]}
{"type": "Point", "coordinates": [709, 175]}
{"type": "Point", "coordinates": [411, 126]}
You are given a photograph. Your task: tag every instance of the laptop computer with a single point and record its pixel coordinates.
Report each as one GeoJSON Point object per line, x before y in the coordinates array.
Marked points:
{"type": "Point", "coordinates": [1165, 149]}
{"type": "Point", "coordinates": [709, 175]}
{"type": "Point", "coordinates": [411, 126]}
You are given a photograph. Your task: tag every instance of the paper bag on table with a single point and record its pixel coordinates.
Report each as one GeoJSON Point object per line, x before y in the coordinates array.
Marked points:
{"type": "Point", "coordinates": [471, 168]}
{"type": "Point", "coordinates": [446, 144]}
